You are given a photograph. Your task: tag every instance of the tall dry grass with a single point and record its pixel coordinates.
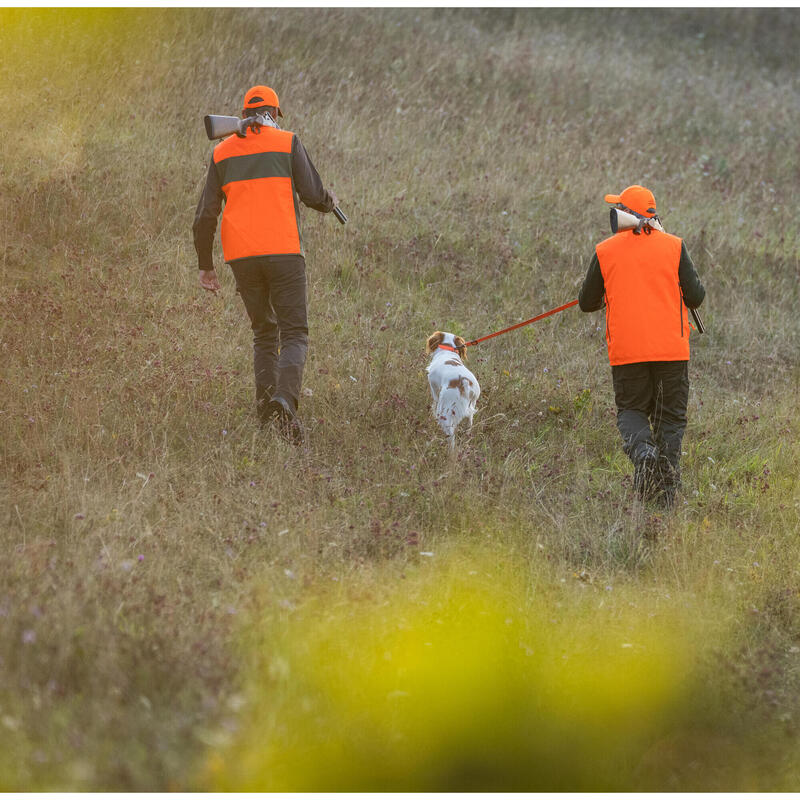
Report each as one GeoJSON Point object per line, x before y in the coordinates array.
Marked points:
{"type": "Point", "coordinates": [148, 525]}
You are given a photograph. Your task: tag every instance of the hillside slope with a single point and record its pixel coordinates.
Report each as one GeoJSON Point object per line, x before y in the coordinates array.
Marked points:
{"type": "Point", "coordinates": [156, 544]}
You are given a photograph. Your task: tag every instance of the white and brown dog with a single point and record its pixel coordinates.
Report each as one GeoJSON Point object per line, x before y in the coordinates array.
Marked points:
{"type": "Point", "coordinates": [454, 388]}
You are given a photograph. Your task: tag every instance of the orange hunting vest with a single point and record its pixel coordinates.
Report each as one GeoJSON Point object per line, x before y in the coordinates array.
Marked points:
{"type": "Point", "coordinates": [646, 319]}
{"type": "Point", "coordinates": [261, 215]}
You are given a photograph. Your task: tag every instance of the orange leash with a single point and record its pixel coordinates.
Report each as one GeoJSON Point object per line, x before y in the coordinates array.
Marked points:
{"type": "Point", "coordinates": [522, 324]}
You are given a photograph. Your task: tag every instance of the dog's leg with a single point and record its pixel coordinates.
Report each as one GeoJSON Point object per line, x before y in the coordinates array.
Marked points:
{"type": "Point", "coordinates": [452, 438]}
{"type": "Point", "coordinates": [434, 399]}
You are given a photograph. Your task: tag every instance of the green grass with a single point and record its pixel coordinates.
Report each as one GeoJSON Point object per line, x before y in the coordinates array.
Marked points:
{"type": "Point", "coordinates": [164, 561]}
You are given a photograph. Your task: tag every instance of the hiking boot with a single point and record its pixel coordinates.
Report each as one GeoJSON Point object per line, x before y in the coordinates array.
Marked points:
{"type": "Point", "coordinates": [645, 474]}
{"type": "Point", "coordinates": [263, 394]}
{"type": "Point", "coordinates": [666, 497]}
{"type": "Point", "coordinates": [289, 426]}
{"type": "Point", "coordinates": [669, 481]}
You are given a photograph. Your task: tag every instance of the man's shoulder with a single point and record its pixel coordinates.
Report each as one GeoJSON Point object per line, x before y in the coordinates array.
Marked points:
{"type": "Point", "coordinates": [611, 241]}
{"type": "Point", "coordinates": [266, 139]}
{"type": "Point", "coordinates": [622, 236]}
{"type": "Point", "coordinates": [287, 136]}
{"type": "Point", "coordinates": [671, 243]}
{"type": "Point", "coordinates": [226, 147]}
{"type": "Point", "coordinates": [671, 237]}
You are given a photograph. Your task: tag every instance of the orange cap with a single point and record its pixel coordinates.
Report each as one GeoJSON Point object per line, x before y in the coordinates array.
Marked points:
{"type": "Point", "coordinates": [637, 199]}
{"type": "Point", "coordinates": [259, 96]}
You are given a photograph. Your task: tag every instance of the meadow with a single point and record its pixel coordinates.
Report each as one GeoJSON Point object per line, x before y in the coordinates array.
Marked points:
{"type": "Point", "coordinates": [189, 602]}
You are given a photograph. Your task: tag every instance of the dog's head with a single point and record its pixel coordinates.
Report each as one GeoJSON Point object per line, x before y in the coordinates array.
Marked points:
{"type": "Point", "coordinates": [435, 339]}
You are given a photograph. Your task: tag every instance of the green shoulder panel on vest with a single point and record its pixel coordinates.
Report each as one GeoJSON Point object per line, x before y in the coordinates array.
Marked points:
{"type": "Point", "coordinates": [254, 165]}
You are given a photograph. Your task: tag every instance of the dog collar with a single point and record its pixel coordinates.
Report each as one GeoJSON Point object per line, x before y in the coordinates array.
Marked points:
{"type": "Point", "coordinates": [447, 347]}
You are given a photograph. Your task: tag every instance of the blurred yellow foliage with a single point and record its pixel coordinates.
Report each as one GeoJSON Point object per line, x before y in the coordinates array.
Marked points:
{"type": "Point", "coordinates": [459, 679]}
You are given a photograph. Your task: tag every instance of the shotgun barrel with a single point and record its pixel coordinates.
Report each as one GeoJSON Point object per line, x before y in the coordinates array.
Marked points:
{"type": "Point", "coordinates": [697, 321]}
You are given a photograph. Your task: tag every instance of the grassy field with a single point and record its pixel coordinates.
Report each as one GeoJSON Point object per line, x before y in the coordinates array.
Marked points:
{"type": "Point", "coordinates": [187, 602]}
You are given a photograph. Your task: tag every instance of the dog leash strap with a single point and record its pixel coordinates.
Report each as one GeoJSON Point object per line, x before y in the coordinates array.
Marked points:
{"type": "Point", "coordinates": [522, 324]}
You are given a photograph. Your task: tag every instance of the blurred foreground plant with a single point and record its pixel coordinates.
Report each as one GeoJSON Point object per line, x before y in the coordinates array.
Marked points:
{"type": "Point", "coordinates": [463, 677]}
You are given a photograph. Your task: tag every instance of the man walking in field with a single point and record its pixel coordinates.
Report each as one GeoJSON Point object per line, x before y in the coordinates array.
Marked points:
{"type": "Point", "coordinates": [648, 281]}
{"type": "Point", "coordinates": [260, 176]}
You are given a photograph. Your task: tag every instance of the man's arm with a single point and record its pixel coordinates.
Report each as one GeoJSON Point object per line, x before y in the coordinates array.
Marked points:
{"type": "Point", "coordinates": [307, 181]}
{"type": "Point", "coordinates": [593, 290]}
{"type": "Point", "coordinates": [205, 219]}
{"type": "Point", "coordinates": [693, 291]}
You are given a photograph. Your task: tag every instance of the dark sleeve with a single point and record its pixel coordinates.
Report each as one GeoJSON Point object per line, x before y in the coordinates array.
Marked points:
{"type": "Point", "coordinates": [591, 295]}
{"type": "Point", "coordinates": [205, 219]}
{"type": "Point", "coordinates": [307, 181]}
{"type": "Point", "coordinates": [693, 290]}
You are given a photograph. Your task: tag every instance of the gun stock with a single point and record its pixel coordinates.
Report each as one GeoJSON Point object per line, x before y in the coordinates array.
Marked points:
{"type": "Point", "coordinates": [218, 127]}
{"type": "Point", "coordinates": [623, 221]}
{"type": "Point", "coordinates": [620, 220]}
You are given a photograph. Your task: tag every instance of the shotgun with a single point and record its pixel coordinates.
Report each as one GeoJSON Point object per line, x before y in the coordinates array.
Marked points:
{"type": "Point", "coordinates": [218, 127]}
{"type": "Point", "coordinates": [623, 221]}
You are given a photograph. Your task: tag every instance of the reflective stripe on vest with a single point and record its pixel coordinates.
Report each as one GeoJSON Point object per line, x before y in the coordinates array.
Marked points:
{"type": "Point", "coordinates": [261, 215]}
{"type": "Point", "coordinates": [646, 319]}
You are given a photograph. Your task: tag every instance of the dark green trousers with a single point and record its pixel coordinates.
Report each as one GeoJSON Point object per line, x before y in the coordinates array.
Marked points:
{"type": "Point", "coordinates": [273, 289]}
{"type": "Point", "coordinates": [652, 398]}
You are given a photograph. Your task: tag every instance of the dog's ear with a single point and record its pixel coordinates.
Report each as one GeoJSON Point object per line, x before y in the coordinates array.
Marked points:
{"type": "Point", "coordinates": [434, 340]}
{"type": "Point", "coordinates": [461, 346]}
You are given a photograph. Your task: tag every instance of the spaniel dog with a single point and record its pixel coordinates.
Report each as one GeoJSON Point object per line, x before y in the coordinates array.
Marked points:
{"type": "Point", "coordinates": [454, 388]}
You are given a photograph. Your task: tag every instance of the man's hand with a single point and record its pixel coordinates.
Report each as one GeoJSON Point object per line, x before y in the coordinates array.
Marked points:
{"type": "Point", "coordinates": [209, 280]}
{"type": "Point", "coordinates": [333, 197]}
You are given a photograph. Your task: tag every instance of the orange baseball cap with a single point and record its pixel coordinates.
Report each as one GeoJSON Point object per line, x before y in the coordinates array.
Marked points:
{"type": "Point", "coordinates": [637, 199]}
{"type": "Point", "coordinates": [259, 96]}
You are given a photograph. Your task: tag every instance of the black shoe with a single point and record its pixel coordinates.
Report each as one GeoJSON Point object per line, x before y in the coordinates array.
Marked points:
{"type": "Point", "coordinates": [288, 424]}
